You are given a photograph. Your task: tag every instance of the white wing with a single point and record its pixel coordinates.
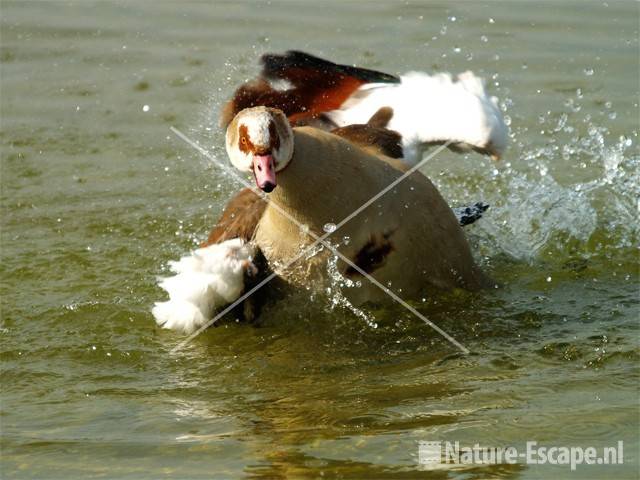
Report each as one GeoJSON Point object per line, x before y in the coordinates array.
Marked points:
{"type": "Point", "coordinates": [432, 109]}
{"type": "Point", "coordinates": [205, 281]}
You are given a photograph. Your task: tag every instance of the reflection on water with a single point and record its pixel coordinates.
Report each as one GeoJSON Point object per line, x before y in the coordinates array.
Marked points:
{"type": "Point", "coordinates": [97, 195]}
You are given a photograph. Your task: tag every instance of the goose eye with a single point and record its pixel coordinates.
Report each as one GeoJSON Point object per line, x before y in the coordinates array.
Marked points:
{"type": "Point", "coordinates": [243, 141]}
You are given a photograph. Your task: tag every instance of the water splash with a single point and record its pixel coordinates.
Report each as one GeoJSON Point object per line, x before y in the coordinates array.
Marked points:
{"type": "Point", "coordinates": [329, 227]}
{"type": "Point", "coordinates": [578, 185]}
{"type": "Point", "coordinates": [535, 212]}
{"type": "Point", "coordinates": [335, 292]}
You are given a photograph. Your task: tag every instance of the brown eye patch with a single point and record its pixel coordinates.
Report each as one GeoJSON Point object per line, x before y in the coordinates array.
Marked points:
{"type": "Point", "coordinates": [245, 143]}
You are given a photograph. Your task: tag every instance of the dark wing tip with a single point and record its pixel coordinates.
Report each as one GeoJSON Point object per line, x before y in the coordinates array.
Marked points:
{"type": "Point", "coordinates": [275, 66]}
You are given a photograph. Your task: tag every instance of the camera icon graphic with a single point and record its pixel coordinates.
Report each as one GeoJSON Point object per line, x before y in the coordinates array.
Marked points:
{"type": "Point", "coordinates": [429, 453]}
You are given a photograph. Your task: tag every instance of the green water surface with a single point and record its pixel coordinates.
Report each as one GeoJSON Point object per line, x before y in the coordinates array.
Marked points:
{"type": "Point", "coordinates": [98, 194]}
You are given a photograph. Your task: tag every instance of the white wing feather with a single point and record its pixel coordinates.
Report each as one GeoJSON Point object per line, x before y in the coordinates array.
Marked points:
{"type": "Point", "coordinates": [205, 281]}
{"type": "Point", "coordinates": [432, 108]}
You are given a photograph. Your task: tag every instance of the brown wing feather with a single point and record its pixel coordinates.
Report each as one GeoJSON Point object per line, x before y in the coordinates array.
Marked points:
{"type": "Point", "coordinates": [318, 86]}
{"type": "Point", "coordinates": [299, 104]}
{"type": "Point", "coordinates": [381, 118]}
{"type": "Point", "coordinates": [239, 219]}
{"type": "Point", "coordinates": [260, 93]}
{"type": "Point", "coordinates": [384, 141]}
{"type": "Point", "coordinates": [374, 135]}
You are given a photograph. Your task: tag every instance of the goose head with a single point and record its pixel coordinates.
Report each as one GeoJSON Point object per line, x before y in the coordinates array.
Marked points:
{"type": "Point", "coordinates": [260, 140]}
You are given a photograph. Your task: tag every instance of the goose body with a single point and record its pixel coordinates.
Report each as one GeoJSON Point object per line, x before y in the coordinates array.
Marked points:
{"type": "Point", "coordinates": [409, 239]}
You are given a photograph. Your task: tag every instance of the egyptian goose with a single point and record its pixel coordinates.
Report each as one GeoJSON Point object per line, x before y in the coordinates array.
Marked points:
{"type": "Point", "coordinates": [427, 109]}
{"type": "Point", "coordinates": [385, 115]}
{"type": "Point", "coordinates": [409, 239]}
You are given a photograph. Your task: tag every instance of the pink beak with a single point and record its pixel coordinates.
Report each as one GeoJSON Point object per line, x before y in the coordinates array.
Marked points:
{"type": "Point", "coordinates": [264, 172]}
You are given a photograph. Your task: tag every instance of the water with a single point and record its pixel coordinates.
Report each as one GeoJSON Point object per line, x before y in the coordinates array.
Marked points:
{"type": "Point", "coordinates": [98, 194]}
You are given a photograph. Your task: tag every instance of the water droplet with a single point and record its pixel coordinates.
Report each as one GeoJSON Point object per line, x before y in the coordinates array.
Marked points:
{"type": "Point", "coordinates": [346, 240]}
{"type": "Point", "coordinates": [548, 279]}
{"type": "Point", "coordinates": [491, 20]}
{"type": "Point", "coordinates": [443, 30]}
{"type": "Point", "coordinates": [457, 49]}
{"type": "Point", "coordinates": [146, 108]}
{"type": "Point", "coordinates": [484, 38]}
{"type": "Point", "coordinates": [588, 71]}
{"type": "Point", "coordinates": [452, 19]}
{"type": "Point", "coordinates": [329, 227]}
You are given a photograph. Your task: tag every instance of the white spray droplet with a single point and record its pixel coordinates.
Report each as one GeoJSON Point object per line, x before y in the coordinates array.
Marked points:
{"type": "Point", "coordinates": [146, 108]}
{"type": "Point", "coordinates": [329, 227]}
